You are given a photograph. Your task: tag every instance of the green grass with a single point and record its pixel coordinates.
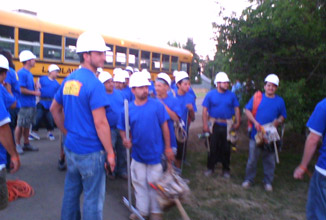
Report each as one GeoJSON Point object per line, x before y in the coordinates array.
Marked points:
{"type": "Point", "coordinates": [217, 198]}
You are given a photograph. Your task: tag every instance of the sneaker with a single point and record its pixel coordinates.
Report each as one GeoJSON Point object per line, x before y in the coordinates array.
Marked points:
{"type": "Point", "coordinates": [29, 147]}
{"type": "Point", "coordinates": [268, 187]}
{"type": "Point", "coordinates": [226, 174]}
{"type": "Point", "coordinates": [50, 136]}
{"type": "Point", "coordinates": [34, 135]}
{"type": "Point", "coordinates": [30, 138]}
{"type": "Point", "coordinates": [246, 184]}
{"type": "Point", "coordinates": [62, 165]}
{"type": "Point", "coordinates": [19, 149]}
{"type": "Point", "coordinates": [208, 172]}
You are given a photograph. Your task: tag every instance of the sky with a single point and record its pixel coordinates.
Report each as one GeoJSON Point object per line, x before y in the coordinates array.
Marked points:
{"type": "Point", "coordinates": [148, 21]}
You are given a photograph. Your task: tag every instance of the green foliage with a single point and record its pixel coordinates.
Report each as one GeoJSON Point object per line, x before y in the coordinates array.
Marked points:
{"type": "Point", "coordinates": [285, 37]}
{"type": "Point", "coordinates": [195, 77]}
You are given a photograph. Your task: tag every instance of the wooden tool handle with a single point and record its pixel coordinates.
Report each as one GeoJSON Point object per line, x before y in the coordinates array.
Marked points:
{"type": "Point", "coordinates": [181, 209]}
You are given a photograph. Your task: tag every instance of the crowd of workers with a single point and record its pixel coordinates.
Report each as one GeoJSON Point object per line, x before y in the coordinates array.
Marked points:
{"type": "Point", "coordinates": [88, 108]}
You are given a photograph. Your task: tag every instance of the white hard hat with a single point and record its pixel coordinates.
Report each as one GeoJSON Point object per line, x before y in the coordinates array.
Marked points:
{"type": "Point", "coordinates": [175, 73]}
{"type": "Point", "coordinates": [91, 41]}
{"type": "Point", "coordinates": [221, 77]}
{"type": "Point", "coordinates": [4, 62]}
{"type": "Point", "coordinates": [164, 77]}
{"type": "Point", "coordinates": [129, 68]}
{"type": "Point", "coordinates": [99, 69]}
{"type": "Point", "coordinates": [26, 55]}
{"type": "Point", "coordinates": [272, 78]}
{"type": "Point", "coordinates": [125, 74]}
{"type": "Point", "coordinates": [116, 71]}
{"type": "Point", "coordinates": [53, 67]}
{"type": "Point", "coordinates": [136, 70]}
{"type": "Point", "coordinates": [119, 77]}
{"type": "Point", "coordinates": [146, 73]}
{"type": "Point", "coordinates": [138, 80]}
{"type": "Point", "coordinates": [180, 76]}
{"type": "Point", "coordinates": [104, 76]}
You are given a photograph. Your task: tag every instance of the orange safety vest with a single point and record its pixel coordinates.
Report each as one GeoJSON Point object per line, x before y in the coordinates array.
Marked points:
{"type": "Point", "coordinates": [258, 96]}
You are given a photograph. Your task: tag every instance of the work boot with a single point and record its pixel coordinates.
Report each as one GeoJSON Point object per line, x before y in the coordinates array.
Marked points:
{"type": "Point", "coordinates": [29, 147]}
{"type": "Point", "coordinates": [156, 216]}
{"type": "Point", "coordinates": [246, 184]}
{"type": "Point", "coordinates": [268, 187]}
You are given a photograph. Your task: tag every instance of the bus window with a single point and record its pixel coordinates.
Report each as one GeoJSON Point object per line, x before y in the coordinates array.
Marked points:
{"type": "Point", "coordinates": [109, 55]}
{"type": "Point", "coordinates": [174, 64]}
{"type": "Point", "coordinates": [121, 56]}
{"type": "Point", "coordinates": [133, 58]}
{"type": "Point", "coordinates": [156, 61]}
{"type": "Point", "coordinates": [29, 40]}
{"type": "Point", "coordinates": [52, 46]}
{"type": "Point", "coordinates": [165, 63]}
{"type": "Point", "coordinates": [70, 50]}
{"type": "Point", "coordinates": [7, 38]}
{"type": "Point", "coordinates": [145, 59]}
{"type": "Point", "coordinates": [185, 67]}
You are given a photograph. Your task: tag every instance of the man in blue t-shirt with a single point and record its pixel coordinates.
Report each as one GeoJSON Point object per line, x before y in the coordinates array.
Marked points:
{"type": "Point", "coordinates": [26, 115]}
{"type": "Point", "coordinates": [316, 204]}
{"type": "Point", "coordinates": [150, 139]}
{"type": "Point", "coordinates": [162, 86]}
{"type": "Point", "coordinates": [113, 112]}
{"type": "Point", "coordinates": [219, 105]}
{"type": "Point", "coordinates": [6, 139]}
{"type": "Point", "coordinates": [78, 110]}
{"type": "Point", "coordinates": [270, 110]}
{"type": "Point", "coordinates": [48, 86]}
{"type": "Point", "coordinates": [188, 108]}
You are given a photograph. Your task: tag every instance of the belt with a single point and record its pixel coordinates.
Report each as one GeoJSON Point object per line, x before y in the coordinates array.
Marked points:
{"type": "Point", "coordinates": [218, 120]}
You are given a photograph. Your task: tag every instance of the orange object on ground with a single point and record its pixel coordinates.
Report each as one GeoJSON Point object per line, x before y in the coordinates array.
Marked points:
{"type": "Point", "coordinates": [18, 188]}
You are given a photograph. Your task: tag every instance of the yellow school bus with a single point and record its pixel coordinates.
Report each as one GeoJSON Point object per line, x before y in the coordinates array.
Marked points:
{"type": "Point", "coordinates": [53, 43]}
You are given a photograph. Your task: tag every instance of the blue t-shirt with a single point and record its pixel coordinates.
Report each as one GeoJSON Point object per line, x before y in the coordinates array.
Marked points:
{"type": "Point", "coordinates": [317, 123]}
{"type": "Point", "coordinates": [151, 89]}
{"type": "Point", "coordinates": [115, 108]}
{"type": "Point", "coordinates": [127, 94]}
{"type": "Point", "coordinates": [48, 89]}
{"type": "Point", "coordinates": [146, 132]}
{"type": "Point", "coordinates": [183, 101]}
{"type": "Point", "coordinates": [173, 104]}
{"type": "Point", "coordinates": [191, 91]}
{"type": "Point", "coordinates": [26, 80]}
{"type": "Point", "coordinates": [80, 94]}
{"type": "Point", "coordinates": [6, 100]}
{"type": "Point", "coordinates": [268, 110]}
{"type": "Point", "coordinates": [220, 105]}
{"type": "Point", "coordinates": [12, 79]}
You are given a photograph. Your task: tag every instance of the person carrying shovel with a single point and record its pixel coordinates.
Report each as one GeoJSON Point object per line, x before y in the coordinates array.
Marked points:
{"type": "Point", "coordinates": [269, 109]}
{"type": "Point", "coordinates": [149, 139]}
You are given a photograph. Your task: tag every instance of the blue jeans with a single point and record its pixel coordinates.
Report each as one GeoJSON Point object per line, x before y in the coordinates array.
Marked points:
{"type": "Point", "coordinates": [41, 113]}
{"type": "Point", "coordinates": [316, 204]}
{"type": "Point", "coordinates": [120, 151]}
{"type": "Point", "coordinates": [268, 159]}
{"type": "Point", "coordinates": [85, 172]}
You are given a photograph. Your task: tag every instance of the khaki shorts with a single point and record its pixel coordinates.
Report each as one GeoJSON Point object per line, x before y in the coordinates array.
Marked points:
{"type": "Point", "coordinates": [26, 117]}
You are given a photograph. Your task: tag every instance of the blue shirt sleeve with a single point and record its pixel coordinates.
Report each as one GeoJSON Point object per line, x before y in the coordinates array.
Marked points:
{"type": "Point", "coordinates": [317, 120]}
{"type": "Point", "coordinates": [59, 95]}
{"type": "Point", "coordinates": [250, 104]}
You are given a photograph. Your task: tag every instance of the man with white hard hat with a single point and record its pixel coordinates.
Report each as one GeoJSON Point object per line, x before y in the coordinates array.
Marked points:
{"type": "Point", "coordinates": [188, 108]}
{"type": "Point", "coordinates": [150, 139]}
{"type": "Point", "coordinates": [113, 112]}
{"type": "Point", "coordinates": [269, 108]}
{"type": "Point", "coordinates": [78, 110]}
{"type": "Point", "coordinates": [129, 70]}
{"type": "Point", "coordinates": [219, 106]}
{"type": "Point", "coordinates": [162, 86]}
{"type": "Point", "coordinates": [48, 86]}
{"type": "Point", "coordinates": [120, 79]}
{"type": "Point", "coordinates": [26, 115]}
{"type": "Point", "coordinates": [151, 88]}
{"type": "Point", "coordinates": [7, 101]}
